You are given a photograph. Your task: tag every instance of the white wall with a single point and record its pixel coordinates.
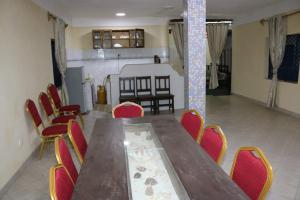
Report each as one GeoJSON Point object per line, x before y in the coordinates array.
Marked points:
{"type": "Point", "coordinates": [55, 7]}
{"type": "Point", "coordinates": [250, 62]}
{"type": "Point", "coordinates": [99, 69]}
{"type": "Point", "coordinates": [81, 53]}
{"type": "Point", "coordinates": [25, 70]}
{"type": "Point", "coordinates": [156, 36]}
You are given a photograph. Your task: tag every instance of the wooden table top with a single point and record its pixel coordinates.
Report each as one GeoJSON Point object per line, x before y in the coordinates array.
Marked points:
{"type": "Point", "coordinates": [103, 174]}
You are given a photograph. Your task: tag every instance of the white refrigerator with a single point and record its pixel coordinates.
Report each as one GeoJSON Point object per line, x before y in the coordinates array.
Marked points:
{"type": "Point", "coordinates": [80, 88]}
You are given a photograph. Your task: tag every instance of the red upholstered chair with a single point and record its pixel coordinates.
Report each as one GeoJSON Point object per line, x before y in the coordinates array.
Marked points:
{"type": "Point", "coordinates": [127, 110]}
{"type": "Point", "coordinates": [47, 107]}
{"type": "Point", "coordinates": [193, 123]}
{"type": "Point", "coordinates": [47, 134]}
{"type": "Point", "coordinates": [64, 157]}
{"type": "Point", "coordinates": [53, 93]}
{"type": "Point", "coordinates": [77, 139]}
{"type": "Point", "coordinates": [214, 142]}
{"type": "Point", "coordinates": [252, 172]}
{"type": "Point", "coordinates": [60, 183]}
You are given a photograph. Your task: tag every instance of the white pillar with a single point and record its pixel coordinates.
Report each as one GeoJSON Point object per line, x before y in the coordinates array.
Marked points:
{"type": "Point", "coordinates": [195, 54]}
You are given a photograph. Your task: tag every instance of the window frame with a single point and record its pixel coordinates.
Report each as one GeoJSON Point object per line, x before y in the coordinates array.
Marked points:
{"type": "Point", "coordinates": [269, 65]}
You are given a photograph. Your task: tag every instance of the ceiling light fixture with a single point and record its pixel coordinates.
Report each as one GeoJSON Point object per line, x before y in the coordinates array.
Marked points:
{"type": "Point", "coordinates": [168, 7]}
{"type": "Point", "coordinates": [120, 14]}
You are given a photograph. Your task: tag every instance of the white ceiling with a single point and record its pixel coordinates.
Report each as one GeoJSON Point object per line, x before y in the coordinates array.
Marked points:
{"type": "Point", "coordinates": [133, 8]}
{"type": "Point", "coordinates": [233, 8]}
{"type": "Point", "coordinates": [102, 12]}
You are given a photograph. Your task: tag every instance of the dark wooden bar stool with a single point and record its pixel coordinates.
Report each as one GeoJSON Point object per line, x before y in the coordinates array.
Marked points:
{"type": "Point", "coordinates": [144, 92]}
{"type": "Point", "coordinates": [127, 89]}
{"type": "Point", "coordinates": [163, 92]}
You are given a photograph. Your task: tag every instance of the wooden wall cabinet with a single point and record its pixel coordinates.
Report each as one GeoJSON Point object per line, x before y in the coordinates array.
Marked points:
{"type": "Point", "coordinates": [109, 39]}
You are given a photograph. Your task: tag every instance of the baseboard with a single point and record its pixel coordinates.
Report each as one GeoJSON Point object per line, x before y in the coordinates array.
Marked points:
{"type": "Point", "coordinates": [249, 99]}
{"type": "Point", "coordinates": [281, 110]}
{"type": "Point", "coordinates": [13, 179]}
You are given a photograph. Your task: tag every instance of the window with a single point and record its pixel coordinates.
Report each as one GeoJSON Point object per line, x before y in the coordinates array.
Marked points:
{"type": "Point", "coordinates": [56, 72]}
{"type": "Point", "coordinates": [289, 68]}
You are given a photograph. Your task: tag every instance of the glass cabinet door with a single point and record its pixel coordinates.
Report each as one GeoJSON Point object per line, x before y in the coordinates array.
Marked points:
{"type": "Point", "coordinates": [97, 40]}
{"type": "Point", "coordinates": [107, 39]}
{"type": "Point", "coordinates": [132, 41]}
{"type": "Point", "coordinates": [97, 44]}
{"type": "Point", "coordinates": [139, 34]}
{"type": "Point", "coordinates": [120, 38]}
{"type": "Point", "coordinates": [140, 43]}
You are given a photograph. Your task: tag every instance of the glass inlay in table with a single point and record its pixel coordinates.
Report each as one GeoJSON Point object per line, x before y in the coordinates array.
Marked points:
{"type": "Point", "coordinates": [150, 173]}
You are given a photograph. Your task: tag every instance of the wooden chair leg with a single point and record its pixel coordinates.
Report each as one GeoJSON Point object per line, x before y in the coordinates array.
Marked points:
{"type": "Point", "coordinates": [154, 107]}
{"type": "Point", "coordinates": [173, 105]}
{"type": "Point", "coordinates": [157, 106]}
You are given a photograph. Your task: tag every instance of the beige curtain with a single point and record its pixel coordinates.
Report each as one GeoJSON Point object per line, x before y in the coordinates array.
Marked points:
{"type": "Point", "coordinates": [216, 35]}
{"type": "Point", "coordinates": [174, 59]}
{"type": "Point", "coordinates": [178, 35]}
{"type": "Point", "coordinates": [60, 55]}
{"type": "Point", "coordinates": [277, 41]}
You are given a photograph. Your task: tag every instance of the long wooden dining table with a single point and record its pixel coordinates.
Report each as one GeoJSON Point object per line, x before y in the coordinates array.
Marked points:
{"type": "Point", "coordinates": [104, 172]}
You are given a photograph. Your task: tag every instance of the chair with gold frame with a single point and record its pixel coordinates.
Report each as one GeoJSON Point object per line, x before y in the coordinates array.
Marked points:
{"type": "Point", "coordinates": [77, 139]}
{"type": "Point", "coordinates": [127, 110]}
{"type": "Point", "coordinates": [47, 134]}
{"type": "Point", "coordinates": [61, 185]}
{"type": "Point", "coordinates": [50, 114]}
{"type": "Point", "coordinates": [193, 123]}
{"type": "Point", "coordinates": [214, 142]}
{"type": "Point", "coordinates": [64, 157]}
{"type": "Point", "coordinates": [252, 172]}
{"type": "Point", "coordinates": [57, 104]}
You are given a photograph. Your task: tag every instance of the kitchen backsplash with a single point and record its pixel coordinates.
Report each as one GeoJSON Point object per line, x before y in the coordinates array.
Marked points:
{"type": "Point", "coordinates": [107, 54]}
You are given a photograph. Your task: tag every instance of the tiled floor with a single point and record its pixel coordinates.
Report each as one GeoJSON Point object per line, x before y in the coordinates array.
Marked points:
{"type": "Point", "coordinates": [243, 122]}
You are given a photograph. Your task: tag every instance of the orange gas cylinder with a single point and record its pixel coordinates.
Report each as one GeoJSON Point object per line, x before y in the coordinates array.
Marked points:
{"type": "Point", "coordinates": [101, 94]}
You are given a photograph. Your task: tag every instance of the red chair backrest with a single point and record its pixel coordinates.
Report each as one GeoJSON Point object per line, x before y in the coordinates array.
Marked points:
{"type": "Point", "coordinates": [61, 185]}
{"type": "Point", "coordinates": [34, 113]}
{"type": "Point", "coordinates": [213, 141]}
{"type": "Point", "coordinates": [193, 123]}
{"type": "Point", "coordinates": [77, 138]}
{"type": "Point", "coordinates": [127, 110]}
{"type": "Point", "coordinates": [252, 172]}
{"type": "Point", "coordinates": [64, 157]}
{"type": "Point", "coordinates": [53, 93]}
{"type": "Point", "coordinates": [46, 104]}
